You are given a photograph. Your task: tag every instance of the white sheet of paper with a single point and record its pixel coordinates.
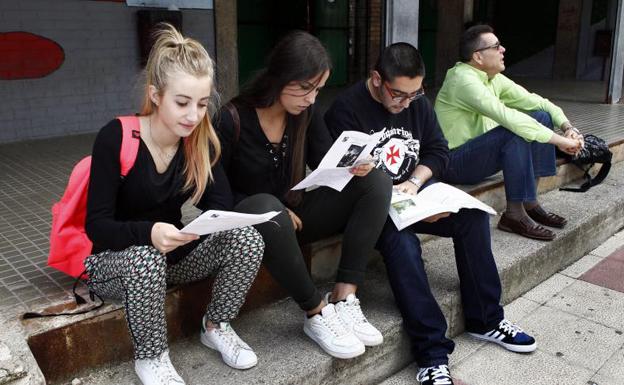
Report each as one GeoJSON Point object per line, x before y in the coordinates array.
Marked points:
{"type": "Point", "coordinates": [437, 198]}
{"type": "Point", "coordinates": [335, 177]}
{"type": "Point", "coordinates": [350, 148]}
{"type": "Point", "coordinates": [213, 221]}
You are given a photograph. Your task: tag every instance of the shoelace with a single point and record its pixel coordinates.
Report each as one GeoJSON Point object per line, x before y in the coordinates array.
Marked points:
{"type": "Point", "coordinates": [439, 374]}
{"type": "Point", "coordinates": [355, 311]}
{"type": "Point", "coordinates": [166, 372]}
{"type": "Point", "coordinates": [334, 323]}
{"type": "Point", "coordinates": [509, 328]}
{"type": "Point", "coordinates": [230, 337]}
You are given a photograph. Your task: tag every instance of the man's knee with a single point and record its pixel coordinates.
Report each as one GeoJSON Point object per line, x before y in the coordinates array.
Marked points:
{"type": "Point", "coordinates": [543, 117]}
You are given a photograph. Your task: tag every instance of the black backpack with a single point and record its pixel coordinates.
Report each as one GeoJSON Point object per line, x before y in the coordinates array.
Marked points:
{"type": "Point", "coordinates": [596, 150]}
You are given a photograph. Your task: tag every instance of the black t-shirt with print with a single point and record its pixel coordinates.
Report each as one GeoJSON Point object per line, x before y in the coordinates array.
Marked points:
{"type": "Point", "coordinates": [411, 137]}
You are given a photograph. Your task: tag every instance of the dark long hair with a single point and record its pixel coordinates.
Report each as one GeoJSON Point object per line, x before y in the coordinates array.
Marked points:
{"type": "Point", "coordinates": [297, 56]}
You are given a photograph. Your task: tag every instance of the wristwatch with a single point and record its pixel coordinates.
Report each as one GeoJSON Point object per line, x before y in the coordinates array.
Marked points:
{"type": "Point", "coordinates": [415, 180]}
{"type": "Point", "coordinates": [574, 129]}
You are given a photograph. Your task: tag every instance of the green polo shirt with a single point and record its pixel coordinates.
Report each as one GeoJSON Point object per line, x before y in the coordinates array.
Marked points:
{"type": "Point", "coordinates": [469, 104]}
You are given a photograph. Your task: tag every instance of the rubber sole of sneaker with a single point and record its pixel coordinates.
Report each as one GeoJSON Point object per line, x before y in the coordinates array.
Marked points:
{"type": "Point", "coordinates": [341, 355]}
{"type": "Point", "coordinates": [209, 344]}
{"type": "Point", "coordinates": [510, 347]}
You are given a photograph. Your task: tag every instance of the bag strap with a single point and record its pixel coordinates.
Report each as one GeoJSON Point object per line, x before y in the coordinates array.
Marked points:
{"type": "Point", "coordinates": [79, 301]}
{"type": "Point", "coordinates": [235, 118]}
{"type": "Point", "coordinates": [131, 133]}
{"type": "Point", "coordinates": [589, 181]}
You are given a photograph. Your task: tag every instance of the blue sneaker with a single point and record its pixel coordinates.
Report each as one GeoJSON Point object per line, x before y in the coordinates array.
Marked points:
{"type": "Point", "coordinates": [509, 336]}
{"type": "Point", "coordinates": [434, 375]}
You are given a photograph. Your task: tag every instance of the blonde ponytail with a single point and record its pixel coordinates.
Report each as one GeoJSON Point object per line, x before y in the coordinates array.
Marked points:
{"type": "Point", "coordinates": [173, 53]}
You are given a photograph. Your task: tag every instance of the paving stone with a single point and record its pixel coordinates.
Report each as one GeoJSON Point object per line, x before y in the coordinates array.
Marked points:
{"type": "Point", "coordinates": [581, 266]}
{"type": "Point", "coordinates": [548, 289]}
{"type": "Point", "coordinates": [613, 244]}
{"type": "Point", "coordinates": [493, 366]}
{"type": "Point", "coordinates": [574, 339]}
{"type": "Point", "coordinates": [592, 302]}
{"type": "Point", "coordinates": [612, 373]}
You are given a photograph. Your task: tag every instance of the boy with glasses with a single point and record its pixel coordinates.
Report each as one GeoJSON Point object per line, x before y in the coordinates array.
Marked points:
{"type": "Point", "coordinates": [493, 124]}
{"type": "Point", "coordinates": [412, 151]}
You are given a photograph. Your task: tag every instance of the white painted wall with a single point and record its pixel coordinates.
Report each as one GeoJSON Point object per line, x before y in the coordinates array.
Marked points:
{"type": "Point", "coordinates": [100, 77]}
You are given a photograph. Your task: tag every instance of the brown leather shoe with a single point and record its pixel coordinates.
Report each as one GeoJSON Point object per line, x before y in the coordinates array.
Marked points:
{"type": "Point", "coordinates": [526, 228]}
{"type": "Point", "coordinates": [540, 215]}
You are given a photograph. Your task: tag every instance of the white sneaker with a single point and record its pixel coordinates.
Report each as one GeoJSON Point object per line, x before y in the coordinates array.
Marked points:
{"type": "Point", "coordinates": [157, 371]}
{"type": "Point", "coordinates": [234, 351]}
{"type": "Point", "coordinates": [327, 330]}
{"type": "Point", "coordinates": [351, 314]}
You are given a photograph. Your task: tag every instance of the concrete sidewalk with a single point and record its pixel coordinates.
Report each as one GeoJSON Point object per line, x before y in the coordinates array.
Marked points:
{"type": "Point", "coordinates": [577, 318]}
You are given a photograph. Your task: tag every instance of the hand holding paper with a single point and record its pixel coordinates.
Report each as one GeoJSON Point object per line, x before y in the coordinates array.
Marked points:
{"type": "Point", "coordinates": [352, 148]}
{"type": "Point", "coordinates": [213, 221]}
{"type": "Point", "coordinates": [437, 198]}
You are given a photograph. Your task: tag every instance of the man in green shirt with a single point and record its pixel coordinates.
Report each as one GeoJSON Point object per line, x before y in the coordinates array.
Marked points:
{"type": "Point", "coordinates": [493, 124]}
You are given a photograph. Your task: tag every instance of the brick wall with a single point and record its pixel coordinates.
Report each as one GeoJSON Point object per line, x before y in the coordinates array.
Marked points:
{"type": "Point", "coordinates": [100, 76]}
{"type": "Point", "coordinates": [374, 31]}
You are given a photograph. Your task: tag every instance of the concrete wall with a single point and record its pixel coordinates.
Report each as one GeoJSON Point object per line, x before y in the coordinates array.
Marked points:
{"type": "Point", "coordinates": [100, 76]}
{"type": "Point", "coordinates": [402, 21]}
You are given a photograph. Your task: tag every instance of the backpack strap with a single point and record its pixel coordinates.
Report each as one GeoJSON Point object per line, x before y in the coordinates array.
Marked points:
{"type": "Point", "coordinates": [131, 133]}
{"type": "Point", "coordinates": [235, 118]}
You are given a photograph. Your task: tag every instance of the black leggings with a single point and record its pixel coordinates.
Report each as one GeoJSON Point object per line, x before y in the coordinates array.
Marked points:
{"type": "Point", "coordinates": [359, 212]}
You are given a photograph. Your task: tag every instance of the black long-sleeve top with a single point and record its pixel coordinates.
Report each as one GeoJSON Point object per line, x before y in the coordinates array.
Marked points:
{"type": "Point", "coordinates": [121, 212]}
{"type": "Point", "coordinates": [254, 165]}
{"type": "Point", "coordinates": [412, 137]}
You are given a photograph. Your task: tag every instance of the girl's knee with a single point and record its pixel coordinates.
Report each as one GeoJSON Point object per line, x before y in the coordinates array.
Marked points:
{"type": "Point", "coordinates": [376, 182]}
{"type": "Point", "coordinates": [146, 262]}
{"type": "Point", "coordinates": [248, 241]}
{"type": "Point", "coordinates": [260, 203]}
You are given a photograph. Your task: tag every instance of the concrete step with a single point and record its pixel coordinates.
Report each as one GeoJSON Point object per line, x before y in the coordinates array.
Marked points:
{"type": "Point", "coordinates": [58, 342]}
{"type": "Point", "coordinates": [287, 356]}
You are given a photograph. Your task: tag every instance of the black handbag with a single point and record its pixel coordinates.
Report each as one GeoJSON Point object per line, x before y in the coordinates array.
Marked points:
{"type": "Point", "coordinates": [596, 150]}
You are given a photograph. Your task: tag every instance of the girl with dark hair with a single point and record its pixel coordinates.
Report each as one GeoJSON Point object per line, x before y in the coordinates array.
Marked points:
{"type": "Point", "coordinates": [269, 135]}
{"type": "Point", "coordinates": [133, 223]}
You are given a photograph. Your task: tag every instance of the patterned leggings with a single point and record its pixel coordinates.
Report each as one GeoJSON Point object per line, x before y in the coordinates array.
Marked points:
{"type": "Point", "coordinates": [139, 276]}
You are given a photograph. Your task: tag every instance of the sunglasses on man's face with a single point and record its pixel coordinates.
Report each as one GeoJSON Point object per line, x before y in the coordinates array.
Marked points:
{"type": "Point", "coordinates": [400, 97]}
{"type": "Point", "coordinates": [495, 46]}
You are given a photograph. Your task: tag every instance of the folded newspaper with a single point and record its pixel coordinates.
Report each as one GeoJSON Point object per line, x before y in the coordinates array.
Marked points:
{"type": "Point", "coordinates": [213, 221]}
{"type": "Point", "coordinates": [406, 209]}
{"type": "Point", "coordinates": [350, 149]}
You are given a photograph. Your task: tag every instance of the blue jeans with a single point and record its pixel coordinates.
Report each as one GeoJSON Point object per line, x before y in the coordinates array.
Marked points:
{"type": "Point", "coordinates": [479, 281]}
{"type": "Point", "coordinates": [501, 149]}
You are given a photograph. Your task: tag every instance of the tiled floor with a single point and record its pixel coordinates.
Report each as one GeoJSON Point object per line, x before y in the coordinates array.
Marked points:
{"type": "Point", "coordinates": [33, 175]}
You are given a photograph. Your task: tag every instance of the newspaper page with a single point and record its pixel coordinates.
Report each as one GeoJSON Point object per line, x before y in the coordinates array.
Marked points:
{"type": "Point", "coordinates": [350, 149]}
{"type": "Point", "coordinates": [406, 209]}
{"type": "Point", "coordinates": [213, 221]}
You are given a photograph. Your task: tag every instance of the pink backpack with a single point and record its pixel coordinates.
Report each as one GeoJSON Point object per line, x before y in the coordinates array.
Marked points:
{"type": "Point", "coordinates": [69, 244]}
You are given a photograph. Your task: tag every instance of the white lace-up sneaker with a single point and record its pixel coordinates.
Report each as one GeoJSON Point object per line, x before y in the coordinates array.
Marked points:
{"type": "Point", "coordinates": [351, 314]}
{"type": "Point", "coordinates": [328, 330]}
{"type": "Point", "coordinates": [234, 351]}
{"type": "Point", "coordinates": [157, 371]}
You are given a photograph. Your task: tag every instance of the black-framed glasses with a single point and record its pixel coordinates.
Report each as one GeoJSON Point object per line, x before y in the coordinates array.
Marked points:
{"type": "Point", "coordinates": [495, 46]}
{"type": "Point", "coordinates": [400, 97]}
